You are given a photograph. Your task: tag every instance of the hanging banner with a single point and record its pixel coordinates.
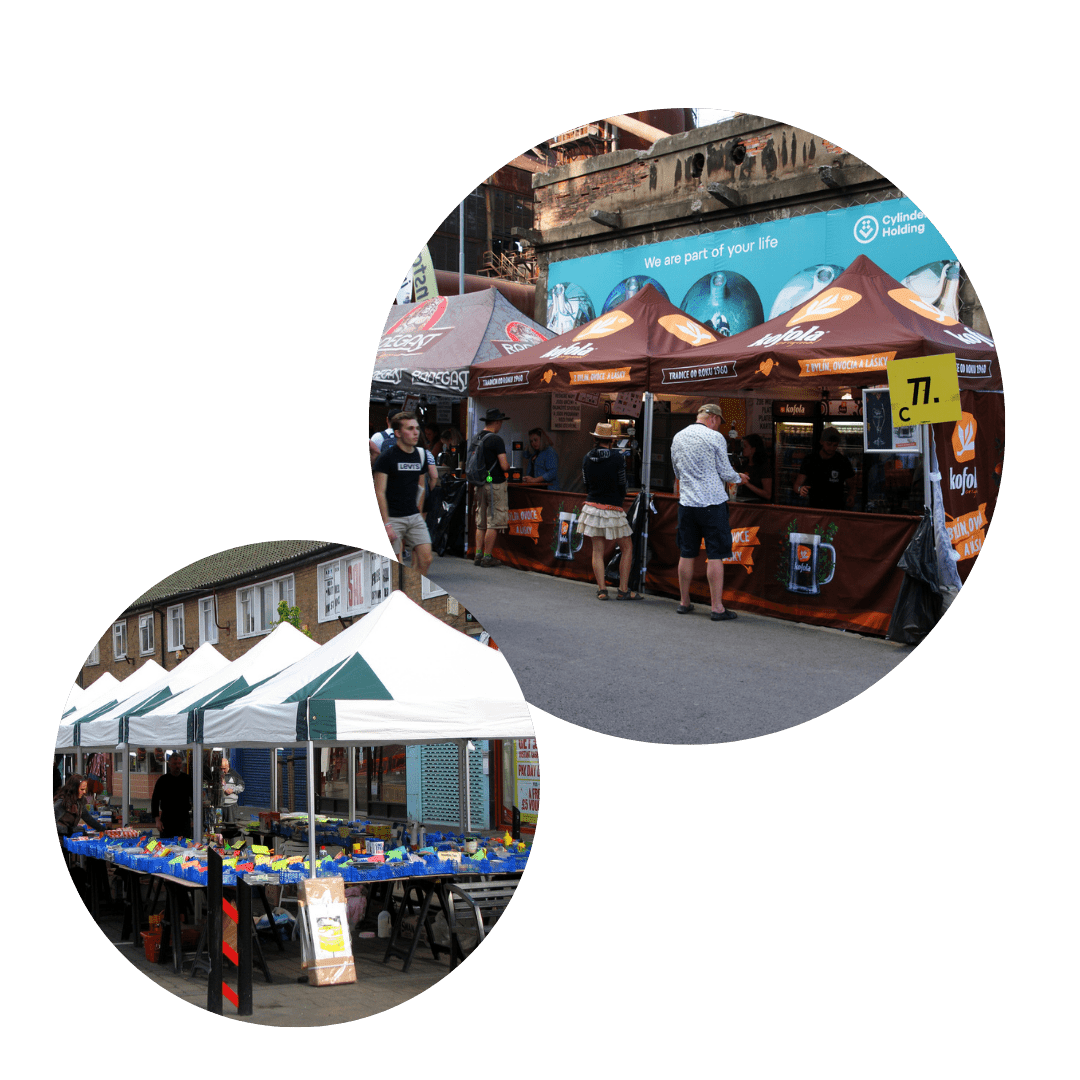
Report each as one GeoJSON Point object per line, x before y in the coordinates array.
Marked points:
{"type": "Point", "coordinates": [733, 279]}
{"type": "Point", "coordinates": [424, 286]}
{"type": "Point", "coordinates": [527, 779]}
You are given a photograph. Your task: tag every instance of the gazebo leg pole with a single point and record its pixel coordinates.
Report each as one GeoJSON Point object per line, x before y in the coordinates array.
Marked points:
{"type": "Point", "coordinates": [350, 758]}
{"type": "Point", "coordinates": [311, 806]}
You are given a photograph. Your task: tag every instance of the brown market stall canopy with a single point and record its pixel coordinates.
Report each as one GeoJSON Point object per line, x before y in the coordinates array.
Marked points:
{"type": "Point", "coordinates": [427, 348]}
{"type": "Point", "coordinates": [844, 335]}
{"type": "Point", "coordinates": [609, 353]}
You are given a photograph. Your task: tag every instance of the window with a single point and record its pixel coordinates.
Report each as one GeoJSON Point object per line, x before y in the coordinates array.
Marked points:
{"type": "Point", "coordinates": [352, 585]}
{"type": "Point", "coordinates": [94, 657]}
{"type": "Point", "coordinates": [176, 627]}
{"type": "Point", "coordinates": [429, 589]}
{"type": "Point", "coordinates": [146, 634]}
{"type": "Point", "coordinates": [256, 605]}
{"type": "Point", "coordinates": [208, 620]}
{"type": "Point", "coordinates": [119, 640]}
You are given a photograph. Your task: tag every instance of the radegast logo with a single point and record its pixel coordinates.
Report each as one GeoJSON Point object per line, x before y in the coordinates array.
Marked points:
{"type": "Point", "coordinates": [414, 331]}
{"type": "Point", "coordinates": [685, 329]}
{"type": "Point", "coordinates": [608, 324]}
{"type": "Point", "coordinates": [521, 337]}
{"type": "Point", "coordinates": [457, 381]}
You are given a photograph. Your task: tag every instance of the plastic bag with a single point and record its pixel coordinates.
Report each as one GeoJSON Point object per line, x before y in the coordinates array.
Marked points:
{"type": "Point", "coordinates": [919, 604]}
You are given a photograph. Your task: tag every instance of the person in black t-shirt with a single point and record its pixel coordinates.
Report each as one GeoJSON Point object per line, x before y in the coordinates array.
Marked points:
{"type": "Point", "coordinates": [398, 473]}
{"type": "Point", "coordinates": [603, 518]}
{"type": "Point", "coordinates": [826, 476]}
{"type": "Point", "coordinates": [758, 486]}
{"type": "Point", "coordinates": [171, 800]}
{"type": "Point", "coordinates": [492, 507]}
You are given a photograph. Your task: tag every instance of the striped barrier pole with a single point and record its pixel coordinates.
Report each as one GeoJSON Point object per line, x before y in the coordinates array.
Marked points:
{"type": "Point", "coordinates": [240, 916]}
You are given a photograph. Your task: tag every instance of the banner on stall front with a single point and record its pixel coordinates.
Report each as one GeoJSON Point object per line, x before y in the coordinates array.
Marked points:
{"type": "Point", "coordinates": [830, 568]}
{"type": "Point", "coordinates": [970, 454]}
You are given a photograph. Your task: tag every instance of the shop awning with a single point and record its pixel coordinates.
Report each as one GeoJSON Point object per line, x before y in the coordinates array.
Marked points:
{"type": "Point", "coordinates": [104, 728]}
{"type": "Point", "coordinates": [428, 347]}
{"type": "Point", "coordinates": [83, 699]}
{"type": "Point", "coordinates": [842, 336]}
{"type": "Point", "coordinates": [174, 722]}
{"type": "Point", "coordinates": [611, 353]}
{"type": "Point", "coordinates": [397, 675]}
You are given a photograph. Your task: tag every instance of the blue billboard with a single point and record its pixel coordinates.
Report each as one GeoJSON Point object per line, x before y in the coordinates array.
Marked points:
{"type": "Point", "coordinates": [736, 278]}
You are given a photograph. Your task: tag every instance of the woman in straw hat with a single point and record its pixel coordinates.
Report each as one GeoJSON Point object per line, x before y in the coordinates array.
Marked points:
{"type": "Point", "coordinates": [602, 517]}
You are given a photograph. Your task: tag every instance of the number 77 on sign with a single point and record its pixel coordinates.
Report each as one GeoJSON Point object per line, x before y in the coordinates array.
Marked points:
{"type": "Point", "coordinates": [924, 390]}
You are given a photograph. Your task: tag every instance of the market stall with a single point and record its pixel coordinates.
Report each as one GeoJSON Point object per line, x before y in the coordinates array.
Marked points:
{"type": "Point", "coordinates": [789, 377]}
{"type": "Point", "coordinates": [427, 348]}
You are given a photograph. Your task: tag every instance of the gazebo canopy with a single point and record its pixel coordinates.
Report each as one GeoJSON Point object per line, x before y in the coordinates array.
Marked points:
{"type": "Point", "coordinates": [104, 729]}
{"type": "Point", "coordinates": [842, 336]}
{"type": "Point", "coordinates": [399, 674]}
{"type": "Point", "coordinates": [172, 722]}
{"type": "Point", "coordinates": [610, 353]}
{"type": "Point", "coordinates": [428, 347]}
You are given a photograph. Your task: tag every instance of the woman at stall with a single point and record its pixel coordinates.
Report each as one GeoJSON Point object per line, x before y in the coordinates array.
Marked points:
{"type": "Point", "coordinates": [603, 518]}
{"type": "Point", "coordinates": [72, 806]}
{"type": "Point", "coordinates": [758, 487]}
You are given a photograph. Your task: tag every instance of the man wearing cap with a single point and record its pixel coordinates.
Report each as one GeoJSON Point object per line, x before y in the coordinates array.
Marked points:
{"type": "Point", "coordinates": [492, 508]}
{"type": "Point", "coordinates": [826, 477]}
{"type": "Point", "coordinates": [700, 460]}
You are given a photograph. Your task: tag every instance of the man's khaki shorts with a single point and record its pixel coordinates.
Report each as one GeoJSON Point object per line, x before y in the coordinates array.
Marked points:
{"type": "Point", "coordinates": [412, 531]}
{"type": "Point", "coordinates": [492, 507]}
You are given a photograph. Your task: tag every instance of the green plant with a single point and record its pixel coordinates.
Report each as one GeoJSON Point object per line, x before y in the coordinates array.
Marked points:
{"type": "Point", "coordinates": [291, 615]}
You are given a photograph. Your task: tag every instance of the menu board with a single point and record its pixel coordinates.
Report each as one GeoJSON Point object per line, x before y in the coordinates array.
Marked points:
{"type": "Point", "coordinates": [565, 412]}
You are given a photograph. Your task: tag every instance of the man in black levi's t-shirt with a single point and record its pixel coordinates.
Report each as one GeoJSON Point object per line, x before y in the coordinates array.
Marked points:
{"type": "Point", "coordinates": [398, 472]}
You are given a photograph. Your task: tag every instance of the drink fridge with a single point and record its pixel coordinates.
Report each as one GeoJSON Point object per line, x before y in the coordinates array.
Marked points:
{"type": "Point", "coordinates": [794, 439]}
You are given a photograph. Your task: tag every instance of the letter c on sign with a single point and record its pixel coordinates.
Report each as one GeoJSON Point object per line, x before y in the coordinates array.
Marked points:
{"type": "Point", "coordinates": [903, 410]}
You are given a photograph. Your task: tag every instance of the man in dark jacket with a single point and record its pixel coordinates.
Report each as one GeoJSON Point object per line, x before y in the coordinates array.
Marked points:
{"type": "Point", "coordinates": [171, 800]}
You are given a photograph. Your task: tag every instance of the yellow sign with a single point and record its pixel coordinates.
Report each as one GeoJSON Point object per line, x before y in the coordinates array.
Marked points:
{"type": "Point", "coordinates": [600, 375]}
{"type": "Point", "coordinates": [924, 390]}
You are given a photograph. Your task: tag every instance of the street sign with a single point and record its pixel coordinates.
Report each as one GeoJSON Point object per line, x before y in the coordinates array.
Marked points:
{"type": "Point", "coordinates": [924, 389]}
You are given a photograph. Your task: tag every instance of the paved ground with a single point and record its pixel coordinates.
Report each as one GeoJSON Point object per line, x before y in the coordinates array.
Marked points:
{"type": "Point", "coordinates": [639, 671]}
{"type": "Point", "coordinates": [288, 1003]}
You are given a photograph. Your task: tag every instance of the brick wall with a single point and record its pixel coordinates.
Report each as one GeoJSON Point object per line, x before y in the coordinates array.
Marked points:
{"type": "Point", "coordinates": [306, 588]}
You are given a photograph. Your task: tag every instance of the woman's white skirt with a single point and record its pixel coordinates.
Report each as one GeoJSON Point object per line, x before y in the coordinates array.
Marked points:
{"type": "Point", "coordinates": [596, 521]}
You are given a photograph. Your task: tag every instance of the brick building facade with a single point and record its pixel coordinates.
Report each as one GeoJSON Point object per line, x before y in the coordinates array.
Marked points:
{"type": "Point", "coordinates": [231, 600]}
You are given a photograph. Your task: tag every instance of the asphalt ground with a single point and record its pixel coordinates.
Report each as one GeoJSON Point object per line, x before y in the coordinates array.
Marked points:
{"type": "Point", "coordinates": [639, 671]}
{"type": "Point", "coordinates": [287, 1002]}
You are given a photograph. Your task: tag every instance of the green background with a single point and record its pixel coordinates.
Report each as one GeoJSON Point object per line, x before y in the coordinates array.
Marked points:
{"type": "Point", "coordinates": [207, 213]}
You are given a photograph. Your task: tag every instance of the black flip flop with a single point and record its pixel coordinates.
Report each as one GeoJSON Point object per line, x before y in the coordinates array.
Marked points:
{"type": "Point", "coordinates": [722, 616]}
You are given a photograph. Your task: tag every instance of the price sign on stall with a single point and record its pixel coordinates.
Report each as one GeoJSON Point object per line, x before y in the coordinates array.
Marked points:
{"type": "Point", "coordinates": [924, 390]}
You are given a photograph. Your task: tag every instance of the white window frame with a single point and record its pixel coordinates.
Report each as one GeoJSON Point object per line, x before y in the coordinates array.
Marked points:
{"type": "Point", "coordinates": [95, 656]}
{"type": "Point", "coordinates": [333, 584]}
{"type": "Point", "coordinates": [146, 640]}
{"type": "Point", "coordinates": [428, 589]}
{"type": "Point", "coordinates": [170, 629]}
{"type": "Point", "coordinates": [119, 630]}
{"type": "Point", "coordinates": [208, 636]}
{"type": "Point", "coordinates": [281, 588]}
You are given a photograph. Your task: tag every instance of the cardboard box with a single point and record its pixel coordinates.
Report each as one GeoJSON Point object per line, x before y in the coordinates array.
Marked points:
{"type": "Point", "coordinates": [327, 945]}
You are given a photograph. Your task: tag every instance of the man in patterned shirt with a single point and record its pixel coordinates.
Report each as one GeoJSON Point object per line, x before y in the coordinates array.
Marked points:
{"type": "Point", "coordinates": [699, 458]}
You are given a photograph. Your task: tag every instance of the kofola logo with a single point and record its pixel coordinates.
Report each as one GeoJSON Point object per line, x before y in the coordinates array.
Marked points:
{"type": "Point", "coordinates": [963, 447]}
{"type": "Point", "coordinates": [685, 329]}
{"type": "Point", "coordinates": [914, 302]}
{"type": "Point", "coordinates": [826, 305]}
{"type": "Point", "coordinates": [608, 324]}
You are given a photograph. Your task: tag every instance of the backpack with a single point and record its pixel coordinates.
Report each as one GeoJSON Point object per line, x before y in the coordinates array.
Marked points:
{"type": "Point", "coordinates": [476, 471]}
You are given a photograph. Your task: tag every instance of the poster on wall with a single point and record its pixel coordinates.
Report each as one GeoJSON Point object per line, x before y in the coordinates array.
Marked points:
{"type": "Point", "coordinates": [879, 435]}
{"type": "Point", "coordinates": [734, 279]}
{"type": "Point", "coordinates": [527, 779]}
{"type": "Point", "coordinates": [565, 412]}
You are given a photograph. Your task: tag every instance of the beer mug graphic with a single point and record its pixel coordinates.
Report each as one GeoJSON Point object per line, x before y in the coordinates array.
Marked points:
{"type": "Point", "coordinates": [803, 572]}
{"type": "Point", "coordinates": [569, 540]}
